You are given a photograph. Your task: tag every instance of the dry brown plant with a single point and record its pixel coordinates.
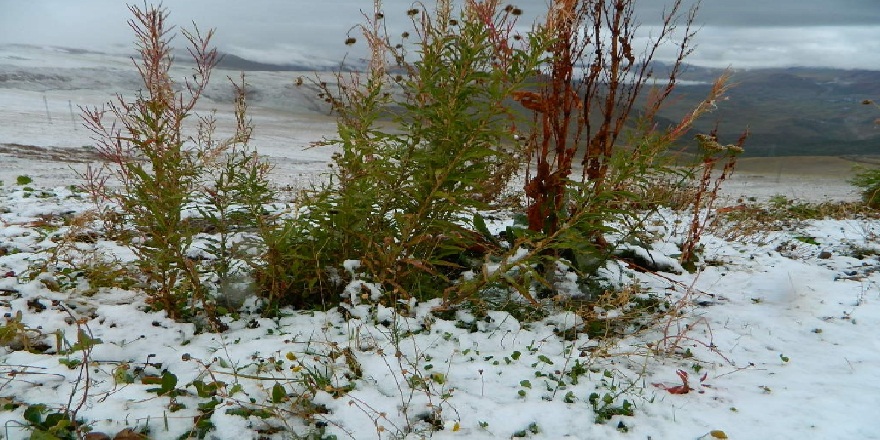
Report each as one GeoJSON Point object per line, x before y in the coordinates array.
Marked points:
{"type": "Point", "coordinates": [587, 114]}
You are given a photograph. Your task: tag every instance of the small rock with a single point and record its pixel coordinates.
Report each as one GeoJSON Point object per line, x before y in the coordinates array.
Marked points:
{"type": "Point", "coordinates": [36, 305]}
{"type": "Point", "coordinates": [824, 255]}
{"type": "Point", "coordinates": [51, 284]}
{"type": "Point", "coordinates": [10, 292]}
{"type": "Point", "coordinates": [87, 237]}
{"type": "Point", "coordinates": [96, 436]}
{"type": "Point", "coordinates": [129, 434]}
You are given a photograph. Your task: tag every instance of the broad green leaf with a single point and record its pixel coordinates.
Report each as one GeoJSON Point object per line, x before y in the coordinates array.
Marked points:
{"type": "Point", "coordinates": [34, 414]}
{"type": "Point", "coordinates": [278, 393]}
{"type": "Point", "coordinates": [169, 381]}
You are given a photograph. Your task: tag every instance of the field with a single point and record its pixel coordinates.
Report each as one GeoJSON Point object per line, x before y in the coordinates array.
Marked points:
{"type": "Point", "coordinates": [773, 336]}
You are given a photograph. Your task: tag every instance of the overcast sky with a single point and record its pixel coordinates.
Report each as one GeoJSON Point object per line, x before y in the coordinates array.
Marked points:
{"type": "Point", "coordinates": [737, 33]}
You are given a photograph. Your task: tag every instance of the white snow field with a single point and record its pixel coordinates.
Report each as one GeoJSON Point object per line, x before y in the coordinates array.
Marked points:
{"type": "Point", "coordinates": [778, 336]}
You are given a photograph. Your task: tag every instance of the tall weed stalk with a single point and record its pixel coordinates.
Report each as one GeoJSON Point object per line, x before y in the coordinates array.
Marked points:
{"type": "Point", "coordinates": [586, 109]}
{"type": "Point", "coordinates": [159, 178]}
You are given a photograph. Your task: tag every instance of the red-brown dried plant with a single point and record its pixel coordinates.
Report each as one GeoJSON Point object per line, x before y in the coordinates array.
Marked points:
{"type": "Point", "coordinates": [715, 158]}
{"type": "Point", "coordinates": [589, 93]}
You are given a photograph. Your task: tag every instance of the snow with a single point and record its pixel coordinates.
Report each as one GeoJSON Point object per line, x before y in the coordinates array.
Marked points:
{"type": "Point", "coordinates": [786, 339]}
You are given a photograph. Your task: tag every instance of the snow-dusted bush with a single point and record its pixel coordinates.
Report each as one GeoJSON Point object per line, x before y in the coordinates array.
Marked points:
{"type": "Point", "coordinates": [402, 202]}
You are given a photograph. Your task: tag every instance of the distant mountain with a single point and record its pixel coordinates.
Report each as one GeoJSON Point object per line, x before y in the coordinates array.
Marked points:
{"type": "Point", "coordinates": [788, 111]}
{"type": "Point", "coordinates": [234, 62]}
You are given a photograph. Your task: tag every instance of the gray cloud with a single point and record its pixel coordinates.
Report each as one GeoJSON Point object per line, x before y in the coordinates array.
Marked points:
{"type": "Point", "coordinates": [739, 33]}
{"type": "Point", "coordinates": [846, 47]}
{"type": "Point", "coordinates": [775, 13]}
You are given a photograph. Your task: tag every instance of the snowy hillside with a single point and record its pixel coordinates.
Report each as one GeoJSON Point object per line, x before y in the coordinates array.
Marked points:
{"type": "Point", "coordinates": [774, 337]}
{"type": "Point", "coordinates": [43, 88]}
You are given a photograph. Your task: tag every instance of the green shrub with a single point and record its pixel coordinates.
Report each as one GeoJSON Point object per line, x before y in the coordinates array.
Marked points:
{"type": "Point", "coordinates": [869, 180]}
{"type": "Point", "coordinates": [401, 202]}
{"type": "Point", "coordinates": [869, 183]}
{"type": "Point", "coordinates": [401, 212]}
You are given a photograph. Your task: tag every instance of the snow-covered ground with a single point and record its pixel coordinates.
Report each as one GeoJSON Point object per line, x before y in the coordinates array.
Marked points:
{"type": "Point", "coordinates": [42, 90]}
{"type": "Point", "coordinates": [777, 340]}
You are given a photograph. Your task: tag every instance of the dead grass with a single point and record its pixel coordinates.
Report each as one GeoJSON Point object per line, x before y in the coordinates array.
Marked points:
{"type": "Point", "coordinates": [745, 221]}
{"type": "Point", "coordinates": [804, 166]}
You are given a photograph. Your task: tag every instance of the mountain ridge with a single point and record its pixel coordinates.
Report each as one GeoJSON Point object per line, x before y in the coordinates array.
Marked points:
{"type": "Point", "coordinates": [788, 111]}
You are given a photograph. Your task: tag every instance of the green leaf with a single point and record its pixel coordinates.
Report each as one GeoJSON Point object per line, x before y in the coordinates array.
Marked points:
{"type": "Point", "coordinates": [278, 393]}
{"type": "Point", "coordinates": [209, 406]}
{"type": "Point", "coordinates": [43, 435]}
{"type": "Point", "coordinates": [247, 412]}
{"type": "Point", "coordinates": [205, 390]}
{"type": "Point", "coordinates": [58, 419]}
{"type": "Point", "coordinates": [169, 381]}
{"type": "Point", "coordinates": [34, 414]}
{"type": "Point", "coordinates": [480, 226]}
{"type": "Point", "coordinates": [84, 342]}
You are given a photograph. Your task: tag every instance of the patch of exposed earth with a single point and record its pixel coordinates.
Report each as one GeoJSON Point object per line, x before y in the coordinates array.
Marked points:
{"type": "Point", "coordinates": [51, 166]}
{"type": "Point", "coordinates": [808, 179]}
{"type": "Point", "coordinates": [50, 154]}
